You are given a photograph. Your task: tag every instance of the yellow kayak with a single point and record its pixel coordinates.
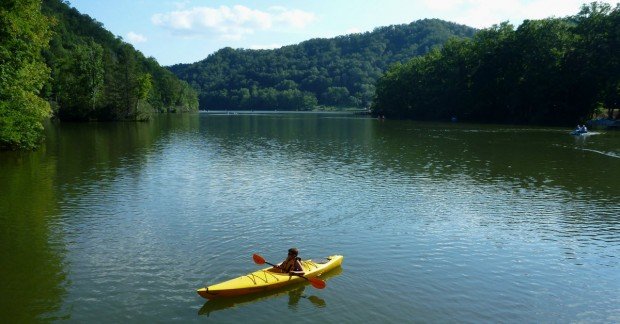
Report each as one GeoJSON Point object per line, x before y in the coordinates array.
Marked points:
{"type": "Point", "coordinates": [268, 279]}
{"type": "Point", "coordinates": [292, 293]}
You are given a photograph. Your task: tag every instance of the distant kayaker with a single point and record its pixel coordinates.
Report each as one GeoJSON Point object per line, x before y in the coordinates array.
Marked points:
{"type": "Point", "coordinates": [580, 129]}
{"type": "Point", "coordinates": [292, 264]}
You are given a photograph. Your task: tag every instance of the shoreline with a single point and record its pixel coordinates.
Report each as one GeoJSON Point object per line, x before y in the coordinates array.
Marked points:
{"type": "Point", "coordinates": [275, 112]}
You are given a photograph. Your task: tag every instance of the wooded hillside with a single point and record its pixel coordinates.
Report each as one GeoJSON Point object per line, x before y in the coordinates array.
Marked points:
{"type": "Point", "coordinates": [95, 75]}
{"type": "Point", "coordinates": [556, 71]}
{"type": "Point", "coordinates": [52, 54]}
{"type": "Point", "coordinates": [341, 71]}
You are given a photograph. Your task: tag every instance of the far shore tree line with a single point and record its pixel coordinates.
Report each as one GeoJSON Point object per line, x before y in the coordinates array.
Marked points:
{"type": "Point", "coordinates": [57, 62]}
{"type": "Point", "coordinates": [335, 72]}
{"type": "Point", "coordinates": [556, 71]}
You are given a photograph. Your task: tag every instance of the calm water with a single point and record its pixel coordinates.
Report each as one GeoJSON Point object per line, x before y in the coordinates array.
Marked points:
{"type": "Point", "coordinates": [437, 222]}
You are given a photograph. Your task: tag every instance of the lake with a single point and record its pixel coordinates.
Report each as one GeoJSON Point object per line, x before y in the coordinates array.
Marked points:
{"type": "Point", "coordinates": [122, 222]}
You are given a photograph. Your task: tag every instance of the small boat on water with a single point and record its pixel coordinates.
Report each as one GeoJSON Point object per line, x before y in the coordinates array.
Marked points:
{"type": "Point", "coordinates": [584, 134]}
{"type": "Point", "coordinates": [579, 132]}
{"type": "Point", "coordinates": [269, 279]}
{"type": "Point", "coordinates": [295, 293]}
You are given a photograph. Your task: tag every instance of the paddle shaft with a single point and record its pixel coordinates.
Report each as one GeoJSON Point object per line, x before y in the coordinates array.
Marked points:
{"type": "Point", "coordinates": [271, 264]}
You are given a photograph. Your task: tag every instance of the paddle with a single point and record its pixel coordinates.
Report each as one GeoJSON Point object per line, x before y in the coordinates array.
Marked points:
{"type": "Point", "coordinates": [316, 282]}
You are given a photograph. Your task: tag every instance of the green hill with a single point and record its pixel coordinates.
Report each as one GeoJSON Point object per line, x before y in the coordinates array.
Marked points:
{"type": "Point", "coordinates": [554, 71]}
{"type": "Point", "coordinates": [95, 75]}
{"type": "Point", "coordinates": [341, 71]}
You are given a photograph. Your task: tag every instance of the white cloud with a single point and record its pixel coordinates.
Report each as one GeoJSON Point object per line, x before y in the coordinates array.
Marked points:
{"type": "Point", "coordinates": [136, 38]}
{"type": "Point", "coordinates": [442, 5]}
{"type": "Point", "coordinates": [295, 18]}
{"type": "Point", "coordinates": [231, 22]}
{"type": "Point", "coordinates": [485, 13]}
{"type": "Point", "coordinates": [181, 4]}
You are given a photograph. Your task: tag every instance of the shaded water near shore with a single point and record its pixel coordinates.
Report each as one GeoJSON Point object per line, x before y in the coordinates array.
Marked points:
{"type": "Point", "coordinates": [437, 222]}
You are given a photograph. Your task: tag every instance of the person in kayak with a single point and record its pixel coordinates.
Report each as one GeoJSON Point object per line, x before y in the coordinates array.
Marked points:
{"type": "Point", "coordinates": [292, 264]}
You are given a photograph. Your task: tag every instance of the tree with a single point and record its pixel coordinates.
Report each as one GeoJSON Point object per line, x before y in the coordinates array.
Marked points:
{"type": "Point", "coordinates": [550, 72]}
{"type": "Point", "coordinates": [96, 75]}
{"type": "Point", "coordinates": [337, 96]}
{"type": "Point", "coordinates": [597, 50]}
{"type": "Point", "coordinates": [144, 86]}
{"type": "Point", "coordinates": [81, 82]}
{"type": "Point", "coordinates": [24, 33]}
{"type": "Point", "coordinates": [351, 62]}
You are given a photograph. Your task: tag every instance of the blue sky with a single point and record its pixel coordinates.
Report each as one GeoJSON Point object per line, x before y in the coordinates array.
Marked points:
{"type": "Point", "coordinates": [186, 31]}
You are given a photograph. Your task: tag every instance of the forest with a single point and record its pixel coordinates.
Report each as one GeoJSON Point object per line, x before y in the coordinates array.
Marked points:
{"type": "Point", "coordinates": [55, 61]}
{"type": "Point", "coordinates": [555, 71]}
{"type": "Point", "coordinates": [336, 72]}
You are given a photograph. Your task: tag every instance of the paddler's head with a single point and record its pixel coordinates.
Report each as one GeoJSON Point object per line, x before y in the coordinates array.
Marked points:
{"type": "Point", "coordinates": [293, 252]}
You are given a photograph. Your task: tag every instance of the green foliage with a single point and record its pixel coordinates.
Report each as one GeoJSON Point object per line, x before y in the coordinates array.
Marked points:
{"type": "Point", "coordinates": [96, 75]}
{"type": "Point", "coordinates": [338, 72]}
{"type": "Point", "coordinates": [24, 32]}
{"type": "Point", "coordinates": [550, 71]}
{"type": "Point", "coordinates": [597, 30]}
{"type": "Point", "coordinates": [79, 83]}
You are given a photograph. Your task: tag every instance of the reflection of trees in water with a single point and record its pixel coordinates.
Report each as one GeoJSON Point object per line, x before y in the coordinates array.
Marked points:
{"type": "Point", "coordinates": [527, 157]}
{"type": "Point", "coordinates": [32, 187]}
{"type": "Point", "coordinates": [522, 157]}
{"type": "Point", "coordinates": [313, 130]}
{"type": "Point", "coordinates": [32, 274]}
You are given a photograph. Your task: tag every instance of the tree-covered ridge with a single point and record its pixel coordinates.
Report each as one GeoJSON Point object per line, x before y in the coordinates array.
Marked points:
{"type": "Point", "coordinates": [341, 71]}
{"type": "Point", "coordinates": [550, 71]}
{"type": "Point", "coordinates": [50, 52]}
{"type": "Point", "coordinates": [96, 75]}
{"type": "Point", "coordinates": [24, 33]}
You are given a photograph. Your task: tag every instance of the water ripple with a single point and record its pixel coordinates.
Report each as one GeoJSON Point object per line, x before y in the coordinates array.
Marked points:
{"type": "Point", "coordinates": [436, 225]}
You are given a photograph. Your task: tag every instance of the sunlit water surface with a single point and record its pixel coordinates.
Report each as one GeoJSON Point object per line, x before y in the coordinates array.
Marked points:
{"type": "Point", "coordinates": [437, 222]}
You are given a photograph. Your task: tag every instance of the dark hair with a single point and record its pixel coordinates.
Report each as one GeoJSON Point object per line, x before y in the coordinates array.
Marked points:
{"type": "Point", "coordinates": [293, 251]}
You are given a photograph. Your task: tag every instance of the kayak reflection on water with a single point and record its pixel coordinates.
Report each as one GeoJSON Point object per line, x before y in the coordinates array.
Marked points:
{"type": "Point", "coordinates": [295, 295]}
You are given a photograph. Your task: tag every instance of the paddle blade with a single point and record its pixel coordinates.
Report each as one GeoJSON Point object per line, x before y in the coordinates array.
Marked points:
{"type": "Point", "coordinates": [317, 283]}
{"type": "Point", "coordinates": [258, 259]}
